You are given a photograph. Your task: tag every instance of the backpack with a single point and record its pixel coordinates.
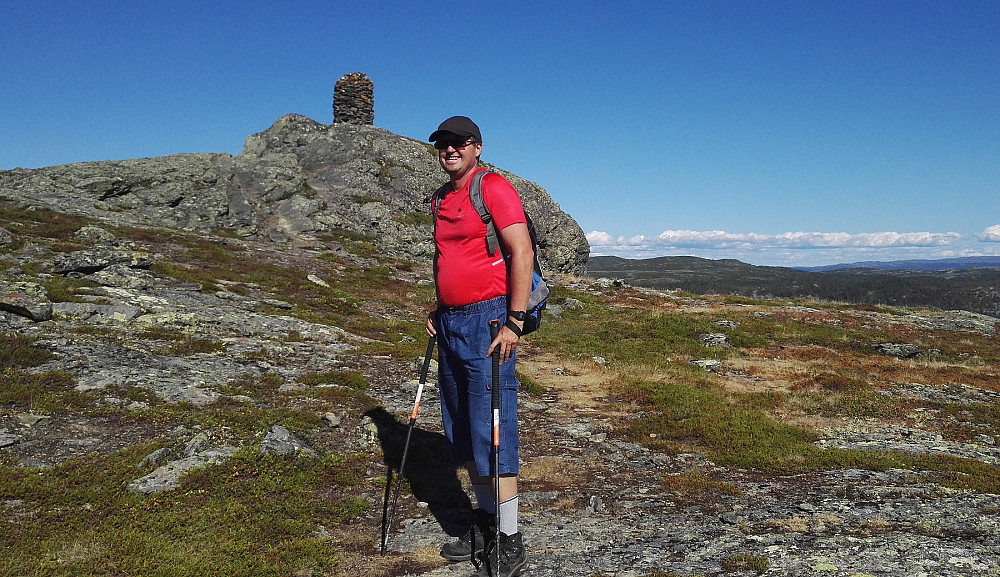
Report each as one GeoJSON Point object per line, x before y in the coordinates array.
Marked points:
{"type": "Point", "coordinates": [539, 290]}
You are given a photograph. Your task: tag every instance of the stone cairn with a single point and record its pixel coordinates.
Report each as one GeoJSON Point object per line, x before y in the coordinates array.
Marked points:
{"type": "Point", "coordinates": [353, 99]}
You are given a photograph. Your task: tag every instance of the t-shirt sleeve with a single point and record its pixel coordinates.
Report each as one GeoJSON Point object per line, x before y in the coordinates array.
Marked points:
{"type": "Point", "coordinates": [502, 201]}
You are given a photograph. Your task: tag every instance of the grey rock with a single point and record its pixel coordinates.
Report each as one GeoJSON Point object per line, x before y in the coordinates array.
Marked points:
{"type": "Point", "coordinates": [93, 260]}
{"type": "Point", "coordinates": [29, 419]}
{"type": "Point", "coordinates": [93, 235]}
{"type": "Point", "coordinates": [280, 440]}
{"type": "Point", "coordinates": [167, 477]}
{"type": "Point", "coordinates": [8, 439]}
{"type": "Point", "coordinates": [710, 365]}
{"type": "Point", "coordinates": [26, 299]}
{"type": "Point", "coordinates": [898, 350]}
{"type": "Point", "coordinates": [714, 339]}
{"type": "Point", "coordinates": [368, 434]}
{"type": "Point", "coordinates": [197, 444]}
{"type": "Point", "coordinates": [157, 457]}
{"type": "Point", "coordinates": [6, 238]}
{"type": "Point", "coordinates": [96, 313]}
{"type": "Point", "coordinates": [123, 276]}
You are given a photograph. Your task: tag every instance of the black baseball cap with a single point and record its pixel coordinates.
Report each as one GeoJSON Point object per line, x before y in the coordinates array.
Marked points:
{"type": "Point", "coordinates": [460, 126]}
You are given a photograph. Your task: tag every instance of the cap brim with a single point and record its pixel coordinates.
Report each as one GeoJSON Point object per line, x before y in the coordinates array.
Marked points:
{"type": "Point", "coordinates": [444, 134]}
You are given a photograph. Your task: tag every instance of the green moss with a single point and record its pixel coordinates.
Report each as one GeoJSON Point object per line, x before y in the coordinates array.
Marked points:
{"type": "Point", "coordinates": [48, 393]}
{"type": "Point", "coordinates": [251, 516]}
{"type": "Point", "coordinates": [350, 379]}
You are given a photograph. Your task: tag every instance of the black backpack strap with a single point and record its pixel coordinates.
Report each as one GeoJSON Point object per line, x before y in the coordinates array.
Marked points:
{"type": "Point", "coordinates": [476, 196]}
{"type": "Point", "coordinates": [436, 201]}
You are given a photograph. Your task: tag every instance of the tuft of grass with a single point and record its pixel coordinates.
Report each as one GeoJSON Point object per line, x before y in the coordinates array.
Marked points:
{"type": "Point", "coordinates": [192, 346]}
{"type": "Point", "coordinates": [18, 351]}
{"type": "Point", "coordinates": [48, 393]}
{"type": "Point", "coordinates": [693, 486]}
{"type": "Point", "coordinates": [746, 562]}
{"type": "Point", "coordinates": [254, 385]}
{"type": "Point", "coordinates": [528, 386]}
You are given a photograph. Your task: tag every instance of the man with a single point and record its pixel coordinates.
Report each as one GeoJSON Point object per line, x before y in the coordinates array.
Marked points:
{"type": "Point", "coordinates": [474, 288]}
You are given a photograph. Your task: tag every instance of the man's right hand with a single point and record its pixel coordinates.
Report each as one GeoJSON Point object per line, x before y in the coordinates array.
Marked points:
{"type": "Point", "coordinates": [432, 323]}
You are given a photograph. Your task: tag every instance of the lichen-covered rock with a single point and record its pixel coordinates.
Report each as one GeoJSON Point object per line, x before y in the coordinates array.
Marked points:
{"type": "Point", "coordinates": [93, 260]}
{"type": "Point", "coordinates": [27, 299]}
{"type": "Point", "coordinates": [281, 440]}
{"type": "Point", "coordinates": [168, 477]}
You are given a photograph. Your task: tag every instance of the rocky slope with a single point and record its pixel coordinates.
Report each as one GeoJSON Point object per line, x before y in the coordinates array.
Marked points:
{"type": "Point", "coordinates": [296, 182]}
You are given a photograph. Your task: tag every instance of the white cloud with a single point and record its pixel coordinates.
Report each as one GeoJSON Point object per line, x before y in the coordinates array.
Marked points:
{"type": "Point", "coordinates": [991, 234]}
{"type": "Point", "coordinates": [598, 238]}
{"type": "Point", "coordinates": [789, 248]}
{"type": "Point", "coordinates": [722, 239]}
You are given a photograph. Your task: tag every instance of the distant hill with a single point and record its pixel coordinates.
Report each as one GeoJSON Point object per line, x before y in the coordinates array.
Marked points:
{"type": "Point", "coordinates": [915, 264]}
{"type": "Point", "coordinates": [971, 289]}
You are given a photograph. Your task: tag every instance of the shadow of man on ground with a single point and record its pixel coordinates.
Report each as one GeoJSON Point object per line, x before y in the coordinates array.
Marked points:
{"type": "Point", "coordinates": [431, 472]}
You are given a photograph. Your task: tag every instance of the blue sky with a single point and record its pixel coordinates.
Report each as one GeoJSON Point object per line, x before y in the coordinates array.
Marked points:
{"type": "Point", "coordinates": [781, 133]}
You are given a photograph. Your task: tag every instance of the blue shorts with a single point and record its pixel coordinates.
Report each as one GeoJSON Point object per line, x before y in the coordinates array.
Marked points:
{"type": "Point", "coordinates": [465, 378]}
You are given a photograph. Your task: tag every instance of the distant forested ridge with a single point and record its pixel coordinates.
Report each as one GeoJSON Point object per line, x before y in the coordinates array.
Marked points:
{"type": "Point", "coordinates": [974, 289]}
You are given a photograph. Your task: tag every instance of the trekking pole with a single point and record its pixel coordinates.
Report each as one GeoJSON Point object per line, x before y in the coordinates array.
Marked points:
{"type": "Point", "coordinates": [495, 405]}
{"type": "Point", "coordinates": [387, 522]}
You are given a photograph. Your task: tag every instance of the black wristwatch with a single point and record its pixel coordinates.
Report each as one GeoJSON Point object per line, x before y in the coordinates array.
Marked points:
{"type": "Point", "coordinates": [518, 315]}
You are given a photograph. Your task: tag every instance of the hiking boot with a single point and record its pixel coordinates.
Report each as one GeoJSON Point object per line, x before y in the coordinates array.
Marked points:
{"type": "Point", "coordinates": [513, 557]}
{"type": "Point", "coordinates": [474, 541]}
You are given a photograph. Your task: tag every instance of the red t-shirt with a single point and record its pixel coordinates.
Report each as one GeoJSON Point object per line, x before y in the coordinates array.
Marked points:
{"type": "Point", "coordinates": [466, 273]}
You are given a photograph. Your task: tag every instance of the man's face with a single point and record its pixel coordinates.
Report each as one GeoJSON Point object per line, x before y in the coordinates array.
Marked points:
{"type": "Point", "coordinates": [458, 156]}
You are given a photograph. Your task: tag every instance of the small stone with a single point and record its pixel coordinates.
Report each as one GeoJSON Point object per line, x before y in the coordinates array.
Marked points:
{"type": "Point", "coordinates": [157, 457]}
{"type": "Point", "coordinates": [29, 420]}
{"type": "Point", "coordinates": [710, 365]}
{"type": "Point", "coordinates": [281, 440]}
{"type": "Point", "coordinates": [315, 279]}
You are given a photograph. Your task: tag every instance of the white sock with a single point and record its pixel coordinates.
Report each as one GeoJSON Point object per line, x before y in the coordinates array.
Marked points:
{"type": "Point", "coordinates": [508, 516]}
{"type": "Point", "coordinates": [484, 497]}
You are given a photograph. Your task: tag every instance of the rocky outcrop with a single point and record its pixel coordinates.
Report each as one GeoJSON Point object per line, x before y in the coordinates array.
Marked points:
{"type": "Point", "coordinates": [296, 182]}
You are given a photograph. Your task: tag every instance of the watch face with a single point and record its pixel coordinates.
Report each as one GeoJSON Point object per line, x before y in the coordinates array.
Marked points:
{"type": "Point", "coordinates": [519, 315]}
